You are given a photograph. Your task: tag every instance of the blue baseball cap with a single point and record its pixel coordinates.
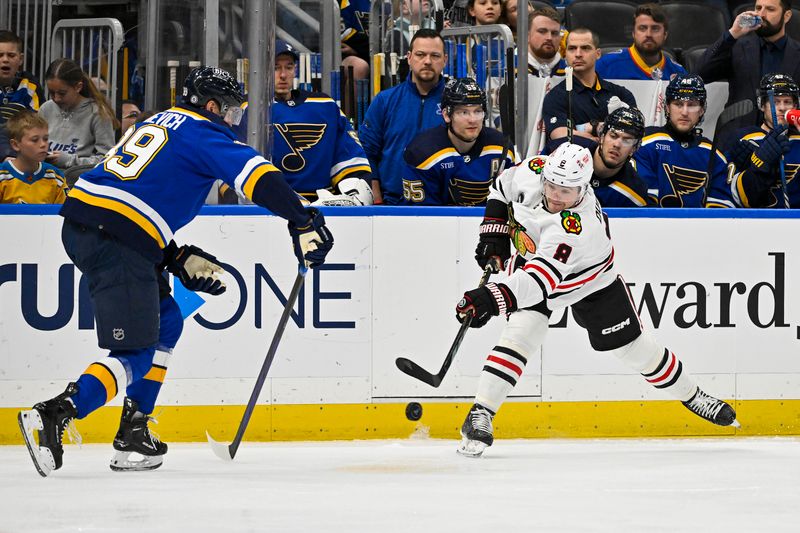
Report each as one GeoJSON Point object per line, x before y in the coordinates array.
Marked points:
{"type": "Point", "coordinates": [282, 47]}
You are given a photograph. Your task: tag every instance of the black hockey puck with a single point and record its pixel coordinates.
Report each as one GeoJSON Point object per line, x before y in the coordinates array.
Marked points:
{"type": "Point", "coordinates": [413, 411]}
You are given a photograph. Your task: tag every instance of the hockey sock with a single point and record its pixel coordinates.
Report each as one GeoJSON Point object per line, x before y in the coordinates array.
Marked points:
{"type": "Point", "coordinates": [521, 337]}
{"type": "Point", "coordinates": [503, 367]}
{"type": "Point", "coordinates": [145, 391]}
{"type": "Point", "coordinates": [659, 367]}
{"type": "Point", "coordinates": [104, 378]}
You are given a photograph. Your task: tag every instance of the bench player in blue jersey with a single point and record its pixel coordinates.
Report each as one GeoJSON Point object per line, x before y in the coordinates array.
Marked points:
{"type": "Point", "coordinates": [120, 218]}
{"type": "Point", "coordinates": [676, 160]}
{"type": "Point", "coordinates": [756, 155]}
{"type": "Point", "coordinates": [454, 164]}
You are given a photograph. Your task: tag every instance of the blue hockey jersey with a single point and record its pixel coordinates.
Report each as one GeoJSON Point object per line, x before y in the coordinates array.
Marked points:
{"type": "Point", "coordinates": [154, 181]}
{"type": "Point", "coordinates": [759, 189]}
{"type": "Point", "coordinates": [676, 172]}
{"type": "Point", "coordinates": [314, 144]}
{"type": "Point", "coordinates": [627, 64]}
{"type": "Point", "coordinates": [26, 90]}
{"type": "Point", "coordinates": [437, 174]}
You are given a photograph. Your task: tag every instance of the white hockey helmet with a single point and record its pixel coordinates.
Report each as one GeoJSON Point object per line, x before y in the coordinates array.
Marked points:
{"type": "Point", "coordinates": [570, 165]}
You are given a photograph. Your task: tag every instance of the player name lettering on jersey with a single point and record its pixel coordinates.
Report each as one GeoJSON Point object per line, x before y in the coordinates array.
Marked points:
{"type": "Point", "coordinates": [169, 120]}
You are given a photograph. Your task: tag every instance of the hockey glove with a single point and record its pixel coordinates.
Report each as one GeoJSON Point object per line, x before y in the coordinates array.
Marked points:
{"type": "Point", "coordinates": [198, 271]}
{"type": "Point", "coordinates": [740, 153]}
{"type": "Point", "coordinates": [767, 156]}
{"type": "Point", "coordinates": [313, 241]}
{"type": "Point", "coordinates": [493, 245]}
{"type": "Point", "coordinates": [493, 299]}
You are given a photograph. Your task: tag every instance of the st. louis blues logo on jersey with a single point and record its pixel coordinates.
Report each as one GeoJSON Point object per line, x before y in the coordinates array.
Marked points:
{"type": "Point", "coordinates": [684, 182]}
{"type": "Point", "coordinates": [299, 137]}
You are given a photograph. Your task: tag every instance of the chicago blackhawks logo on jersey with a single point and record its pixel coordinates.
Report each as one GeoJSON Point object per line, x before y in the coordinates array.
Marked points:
{"type": "Point", "coordinates": [521, 240]}
{"type": "Point", "coordinates": [536, 165]}
{"type": "Point", "coordinates": [299, 137]}
{"type": "Point", "coordinates": [571, 222]}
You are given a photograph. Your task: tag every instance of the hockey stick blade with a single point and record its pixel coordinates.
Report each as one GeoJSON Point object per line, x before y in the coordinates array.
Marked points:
{"type": "Point", "coordinates": [220, 449]}
{"type": "Point", "coordinates": [411, 368]}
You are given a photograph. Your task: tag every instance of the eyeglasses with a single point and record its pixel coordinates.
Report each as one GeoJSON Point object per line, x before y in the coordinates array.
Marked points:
{"type": "Point", "coordinates": [467, 113]}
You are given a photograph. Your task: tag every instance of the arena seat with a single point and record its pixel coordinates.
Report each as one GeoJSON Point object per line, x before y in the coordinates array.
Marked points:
{"type": "Point", "coordinates": [611, 21]}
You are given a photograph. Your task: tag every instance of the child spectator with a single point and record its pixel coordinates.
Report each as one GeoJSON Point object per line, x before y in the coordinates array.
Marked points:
{"type": "Point", "coordinates": [15, 85]}
{"type": "Point", "coordinates": [484, 12]}
{"type": "Point", "coordinates": [81, 120]}
{"type": "Point", "coordinates": [27, 179]}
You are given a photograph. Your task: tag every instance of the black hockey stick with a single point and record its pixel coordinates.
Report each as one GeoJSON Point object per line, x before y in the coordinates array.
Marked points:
{"type": "Point", "coordinates": [227, 452]}
{"type": "Point", "coordinates": [771, 93]}
{"type": "Point", "coordinates": [434, 380]}
{"type": "Point", "coordinates": [729, 114]}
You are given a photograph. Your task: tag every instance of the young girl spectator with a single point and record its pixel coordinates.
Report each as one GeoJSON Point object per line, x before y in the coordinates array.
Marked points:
{"type": "Point", "coordinates": [484, 12]}
{"type": "Point", "coordinates": [26, 179]}
{"type": "Point", "coordinates": [81, 120]}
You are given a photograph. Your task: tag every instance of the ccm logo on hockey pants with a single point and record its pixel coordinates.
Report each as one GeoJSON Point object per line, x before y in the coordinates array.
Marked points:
{"type": "Point", "coordinates": [616, 327]}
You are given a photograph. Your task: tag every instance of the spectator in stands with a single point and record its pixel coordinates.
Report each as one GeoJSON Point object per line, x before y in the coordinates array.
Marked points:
{"type": "Point", "coordinates": [756, 181]}
{"type": "Point", "coordinates": [81, 120]}
{"type": "Point", "coordinates": [544, 38]}
{"type": "Point", "coordinates": [614, 180]}
{"type": "Point", "coordinates": [6, 112]}
{"type": "Point", "coordinates": [676, 160]}
{"type": "Point", "coordinates": [508, 15]}
{"type": "Point", "coordinates": [396, 115]}
{"type": "Point", "coordinates": [314, 144]}
{"type": "Point", "coordinates": [593, 98]}
{"type": "Point", "coordinates": [454, 164]}
{"type": "Point", "coordinates": [16, 85]}
{"type": "Point", "coordinates": [413, 13]}
{"type": "Point", "coordinates": [355, 36]}
{"type": "Point", "coordinates": [484, 12]}
{"type": "Point", "coordinates": [743, 55]}
{"type": "Point", "coordinates": [27, 179]}
{"type": "Point", "coordinates": [644, 59]}
{"type": "Point", "coordinates": [129, 115]}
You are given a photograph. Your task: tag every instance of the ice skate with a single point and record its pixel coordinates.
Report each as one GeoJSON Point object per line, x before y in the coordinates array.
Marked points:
{"type": "Point", "coordinates": [136, 448]}
{"type": "Point", "coordinates": [714, 410]}
{"type": "Point", "coordinates": [49, 420]}
{"type": "Point", "coordinates": [477, 433]}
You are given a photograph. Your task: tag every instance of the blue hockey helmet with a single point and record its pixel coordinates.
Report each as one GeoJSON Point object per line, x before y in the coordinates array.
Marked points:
{"type": "Point", "coordinates": [686, 87]}
{"type": "Point", "coordinates": [212, 83]}
{"type": "Point", "coordinates": [780, 84]}
{"type": "Point", "coordinates": [625, 119]}
{"type": "Point", "coordinates": [462, 91]}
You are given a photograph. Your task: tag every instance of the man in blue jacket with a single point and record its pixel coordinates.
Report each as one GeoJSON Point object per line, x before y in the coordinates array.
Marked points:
{"type": "Point", "coordinates": [398, 114]}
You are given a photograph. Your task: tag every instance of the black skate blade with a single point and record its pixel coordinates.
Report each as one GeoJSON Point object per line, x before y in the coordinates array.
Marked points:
{"type": "Point", "coordinates": [412, 369]}
{"type": "Point", "coordinates": [30, 445]}
{"type": "Point", "coordinates": [220, 449]}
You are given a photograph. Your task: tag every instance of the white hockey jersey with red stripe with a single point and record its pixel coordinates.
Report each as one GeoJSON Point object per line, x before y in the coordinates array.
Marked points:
{"type": "Point", "coordinates": [568, 255]}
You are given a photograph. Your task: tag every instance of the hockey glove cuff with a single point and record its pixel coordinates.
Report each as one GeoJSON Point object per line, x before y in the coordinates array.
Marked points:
{"type": "Point", "coordinates": [493, 244]}
{"type": "Point", "coordinates": [313, 241]}
{"type": "Point", "coordinates": [197, 270]}
{"type": "Point", "coordinates": [767, 155]}
{"type": "Point", "coordinates": [493, 299]}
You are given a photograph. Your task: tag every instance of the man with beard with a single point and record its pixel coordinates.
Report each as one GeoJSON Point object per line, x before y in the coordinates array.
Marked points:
{"type": "Point", "coordinates": [743, 55]}
{"type": "Point", "coordinates": [544, 38]}
{"type": "Point", "coordinates": [675, 159]}
{"type": "Point", "coordinates": [644, 60]}
{"type": "Point", "coordinates": [396, 115]}
{"type": "Point", "coordinates": [454, 164]}
{"type": "Point", "coordinates": [593, 98]}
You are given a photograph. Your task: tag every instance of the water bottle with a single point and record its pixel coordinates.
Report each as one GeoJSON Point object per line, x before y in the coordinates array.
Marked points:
{"type": "Point", "coordinates": [749, 21]}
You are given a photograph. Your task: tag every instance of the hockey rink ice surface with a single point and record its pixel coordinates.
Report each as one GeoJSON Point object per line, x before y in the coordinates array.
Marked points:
{"type": "Point", "coordinates": [418, 485]}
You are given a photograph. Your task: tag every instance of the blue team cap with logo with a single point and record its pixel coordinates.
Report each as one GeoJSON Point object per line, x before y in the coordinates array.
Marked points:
{"type": "Point", "coordinates": [282, 47]}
